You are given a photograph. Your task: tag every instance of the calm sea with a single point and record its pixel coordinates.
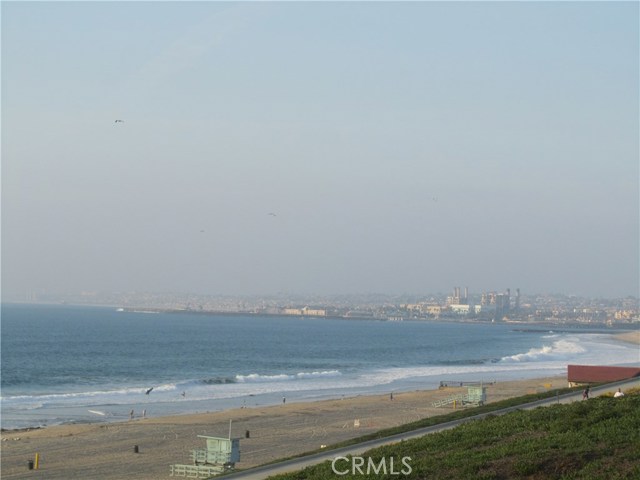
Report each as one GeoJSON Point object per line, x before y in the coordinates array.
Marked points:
{"type": "Point", "coordinates": [63, 364]}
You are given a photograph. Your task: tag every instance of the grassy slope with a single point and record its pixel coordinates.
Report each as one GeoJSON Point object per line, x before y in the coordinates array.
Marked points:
{"type": "Point", "coordinates": [595, 439]}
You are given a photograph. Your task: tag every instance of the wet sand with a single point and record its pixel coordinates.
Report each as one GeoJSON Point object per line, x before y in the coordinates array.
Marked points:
{"type": "Point", "coordinates": [106, 451]}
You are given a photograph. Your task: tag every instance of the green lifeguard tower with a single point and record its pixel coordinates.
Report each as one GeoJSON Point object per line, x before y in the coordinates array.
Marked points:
{"type": "Point", "coordinates": [221, 455]}
{"type": "Point", "coordinates": [476, 395]}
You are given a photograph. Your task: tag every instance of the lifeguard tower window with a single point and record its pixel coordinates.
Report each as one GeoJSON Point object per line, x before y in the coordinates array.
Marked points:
{"type": "Point", "coordinates": [476, 395]}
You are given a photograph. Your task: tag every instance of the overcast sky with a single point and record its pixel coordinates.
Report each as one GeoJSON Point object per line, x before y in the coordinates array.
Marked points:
{"type": "Point", "coordinates": [320, 147]}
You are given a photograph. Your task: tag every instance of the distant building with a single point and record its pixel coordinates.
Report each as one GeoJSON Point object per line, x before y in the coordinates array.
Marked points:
{"type": "Point", "coordinates": [460, 309]}
{"type": "Point", "coordinates": [500, 301]}
{"type": "Point", "coordinates": [627, 315]}
{"type": "Point", "coordinates": [314, 312]}
{"type": "Point", "coordinates": [457, 298]}
{"type": "Point", "coordinates": [306, 311]}
{"type": "Point", "coordinates": [485, 310]}
{"type": "Point", "coordinates": [434, 310]}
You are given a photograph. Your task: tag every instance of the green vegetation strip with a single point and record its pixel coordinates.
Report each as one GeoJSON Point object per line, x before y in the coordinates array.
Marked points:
{"type": "Point", "coordinates": [435, 420]}
{"type": "Point", "coordinates": [440, 419]}
{"type": "Point", "coordinates": [594, 439]}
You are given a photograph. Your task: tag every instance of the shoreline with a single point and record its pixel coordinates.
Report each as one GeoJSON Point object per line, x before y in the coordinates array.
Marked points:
{"type": "Point", "coordinates": [199, 406]}
{"type": "Point", "coordinates": [268, 433]}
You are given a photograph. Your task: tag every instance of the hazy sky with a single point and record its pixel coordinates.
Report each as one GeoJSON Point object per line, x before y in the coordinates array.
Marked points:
{"type": "Point", "coordinates": [403, 147]}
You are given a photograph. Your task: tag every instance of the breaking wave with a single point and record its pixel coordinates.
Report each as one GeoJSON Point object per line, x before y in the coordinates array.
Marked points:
{"type": "Point", "coordinates": [254, 377]}
{"type": "Point", "coordinates": [558, 350]}
{"type": "Point", "coordinates": [262, 378]}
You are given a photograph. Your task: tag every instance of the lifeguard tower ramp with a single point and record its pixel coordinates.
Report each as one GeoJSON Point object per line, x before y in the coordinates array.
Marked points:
{"type": "Point", "coordinates": [220, 456]}
{"type": "Point", "coordinates": [476, 395]}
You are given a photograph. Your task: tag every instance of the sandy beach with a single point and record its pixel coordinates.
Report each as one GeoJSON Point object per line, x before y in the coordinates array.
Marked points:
{"type": "Point", "coordinates": [631, 337]}
{"type": "Point", "coordinates": [106, 451]}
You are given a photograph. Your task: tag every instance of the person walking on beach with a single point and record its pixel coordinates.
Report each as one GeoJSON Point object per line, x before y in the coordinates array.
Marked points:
{"type": "Point", "coordinates": [585, 394]}
{"type": "Point", "coordinates": [131, 415]}
{"type": "Point", "coordinates": [284, 400]}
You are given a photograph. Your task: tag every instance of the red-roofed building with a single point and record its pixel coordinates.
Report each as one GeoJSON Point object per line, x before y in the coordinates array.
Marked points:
{"type": "Point", "coordinates": [582, 374]}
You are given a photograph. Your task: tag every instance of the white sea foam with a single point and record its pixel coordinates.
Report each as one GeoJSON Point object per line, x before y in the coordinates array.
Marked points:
{"type": "Point", "coordinates": [548, 359]}
{"type": "Point", "coordinates": [558, 350]}
{"type": "Point", "coordinates": [257, 378]}
{"type": "Point", "coordinates": [254, 377]}
{"type": "Point", "coordinates": [245, 385]}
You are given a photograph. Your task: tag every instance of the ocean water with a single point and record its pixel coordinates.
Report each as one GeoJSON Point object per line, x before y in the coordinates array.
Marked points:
{"type": "Point", "coordinates": [74, 364]}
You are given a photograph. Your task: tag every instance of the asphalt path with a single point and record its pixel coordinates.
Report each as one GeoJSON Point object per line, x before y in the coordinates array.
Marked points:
{"type": "Point", "coordinates": [299, 463]}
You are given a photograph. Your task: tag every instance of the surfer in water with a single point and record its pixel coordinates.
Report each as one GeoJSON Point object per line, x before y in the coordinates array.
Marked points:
{"type": "Point", "coordinates": [148, 391]}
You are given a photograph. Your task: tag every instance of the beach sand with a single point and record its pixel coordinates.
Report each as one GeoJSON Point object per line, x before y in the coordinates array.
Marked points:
{"type": "Point", "coordinates": [106, 451]}
{"type": "Point", "coordinates": [631, 337]}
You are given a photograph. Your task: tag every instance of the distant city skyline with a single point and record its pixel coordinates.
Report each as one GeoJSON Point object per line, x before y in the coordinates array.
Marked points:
{"type": "Point", "coordinates": [488, 305]}
{"type": "Point", "coordinates": [453, 296]}
{"type": "Point", "coordinates": [320, 148]}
